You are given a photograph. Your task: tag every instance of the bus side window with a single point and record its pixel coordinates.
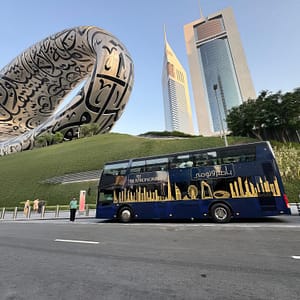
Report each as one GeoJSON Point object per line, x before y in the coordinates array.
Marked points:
{"type": "Point", "coordinates": [211, 162]}
{"type": "Point", "coordinates": [136, 170]}
{"type": "Point", "coordinates": [123, 172]}
{"type": "Point", "coordinates": [156, 168]}
{"type": "Point", "coordinates": [172, 165]}
{"type": "Point", "coordinates": [181, 161]}
{"type": "Point", "coordinates": [186, 164]}
{"type": "Point", "coordinates": [231, 159]}
{"type": "Point", "coordinates": [200, 163]}
{"type": "Point", "coordinates": [156, 164]}
{"type": "Point", "coordinates": [137, 166]}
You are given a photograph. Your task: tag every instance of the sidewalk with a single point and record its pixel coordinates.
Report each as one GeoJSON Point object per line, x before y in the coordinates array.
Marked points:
{"type": "Point", "coordinates": [85, 215]}
{"type": "Point", "coordinates": [48, 215]}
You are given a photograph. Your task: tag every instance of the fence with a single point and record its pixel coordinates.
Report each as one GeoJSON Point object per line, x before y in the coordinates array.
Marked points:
{"type": "Point", "coordinates": [56, 212]}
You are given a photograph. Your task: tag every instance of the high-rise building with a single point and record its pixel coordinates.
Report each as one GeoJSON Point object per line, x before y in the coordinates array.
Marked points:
{"type": "Point", "coordinates": [177, 106]}
{"type": "Point", "coordinates": [218, 69]}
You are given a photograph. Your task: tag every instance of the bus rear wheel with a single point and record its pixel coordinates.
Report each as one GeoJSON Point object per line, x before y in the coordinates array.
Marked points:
{"type": "Point", "coordinates": [125, 215]}
{"type": "Point", "coordinates": [220, 213]}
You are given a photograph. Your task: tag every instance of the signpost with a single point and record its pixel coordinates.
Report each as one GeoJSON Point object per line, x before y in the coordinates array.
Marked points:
{"type": "Point", "coordinates": [82, 201]}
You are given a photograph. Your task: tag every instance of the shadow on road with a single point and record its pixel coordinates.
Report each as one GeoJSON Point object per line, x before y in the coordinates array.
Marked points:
{"type": "Point", "coordinates": [278, 219]}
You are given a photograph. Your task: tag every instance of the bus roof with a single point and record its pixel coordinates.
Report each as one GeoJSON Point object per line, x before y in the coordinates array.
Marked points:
{"type": "Point", "coordinates": [266, 143]}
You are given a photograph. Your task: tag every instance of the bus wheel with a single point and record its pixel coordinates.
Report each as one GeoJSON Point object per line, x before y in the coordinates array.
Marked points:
{"type": "Point", "coordinates": [125, 215]}
{"type": "Point", "coordinates": [220, 213]}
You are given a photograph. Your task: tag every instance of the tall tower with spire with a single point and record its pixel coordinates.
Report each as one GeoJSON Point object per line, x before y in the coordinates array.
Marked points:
{"type": "Point", "coordinates": [177, 106]}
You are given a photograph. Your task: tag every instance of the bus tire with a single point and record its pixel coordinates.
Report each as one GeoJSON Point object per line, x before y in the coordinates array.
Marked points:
{"type": "Point", "coordinates": [220, 213]}
{"type": "Point", "coordinates": [125, 214]}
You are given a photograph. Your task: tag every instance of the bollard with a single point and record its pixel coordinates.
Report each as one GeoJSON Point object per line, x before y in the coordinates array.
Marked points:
{"type": "Point", "coordinates": [15, 213]}
{"type": "Point", "coordinates": [43, 212]}
{"type": "Point", "coordinates": [28, 212]}
{"type": "Point", "coordinates": [57, 211]}
{"type": "Point", "coordinates": [298, 208]}
{"type": "Point", "coordinates": [3, 213]}
{"type": "Point", "coordinates": [87, 210]}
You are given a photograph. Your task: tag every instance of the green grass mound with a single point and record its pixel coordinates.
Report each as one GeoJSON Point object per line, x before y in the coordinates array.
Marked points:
{"type": "Point", "coordinates": [23, 174]}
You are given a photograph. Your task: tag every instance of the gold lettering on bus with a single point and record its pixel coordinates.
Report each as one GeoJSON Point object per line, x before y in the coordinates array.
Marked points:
{"type": "Point", "coordinates": [239, 188]}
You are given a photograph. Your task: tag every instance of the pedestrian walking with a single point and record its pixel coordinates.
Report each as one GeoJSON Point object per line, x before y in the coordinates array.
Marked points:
{"type": "Point", "coordinates": [73, 208]}
{"type": "Point", "coordinates": [41, 204]}
{"type": "Point", "coordinates": [26, 208]}
{"type": "Point", "coordinates": [36, 205]}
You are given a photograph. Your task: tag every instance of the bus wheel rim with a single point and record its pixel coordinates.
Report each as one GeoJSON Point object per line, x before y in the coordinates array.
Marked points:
{"type": "Point", "coordinates": [125, 215]}
{"type": "Point", "coordinates": [220, 213]}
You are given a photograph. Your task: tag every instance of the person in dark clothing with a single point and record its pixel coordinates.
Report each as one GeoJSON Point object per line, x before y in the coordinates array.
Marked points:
{"type": "Point", "coordinates": [73, 208]}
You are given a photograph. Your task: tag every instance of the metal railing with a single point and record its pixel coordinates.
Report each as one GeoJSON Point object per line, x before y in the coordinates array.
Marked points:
{"type": "Point", "coordinates": [57, 212]}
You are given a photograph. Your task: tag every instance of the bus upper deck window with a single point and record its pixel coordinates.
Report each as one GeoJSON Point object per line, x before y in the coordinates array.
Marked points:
{"type": "Point", "coordinates": [137, 166]}
{"type": "Point", "coordinates": [157, 164]}
{"type": "Point", "coordinates": [181, 161]}
{"type": "Point", "coordinates": [186, 164]}
{"type": "Point", "coordinates": [114, 168]}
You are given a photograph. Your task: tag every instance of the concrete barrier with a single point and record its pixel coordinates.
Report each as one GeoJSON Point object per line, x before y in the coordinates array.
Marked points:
{"type": "Point", "coordinates": [295, 208]}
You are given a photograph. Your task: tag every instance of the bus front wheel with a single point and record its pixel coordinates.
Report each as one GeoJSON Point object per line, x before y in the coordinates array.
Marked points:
{"type": "Point", "coordinates": [125, 215]}
{"type": "Point", "coordinates": [220, 213]}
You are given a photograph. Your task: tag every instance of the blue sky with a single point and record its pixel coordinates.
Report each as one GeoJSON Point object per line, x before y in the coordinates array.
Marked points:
{"type": "Point", "coordinates": [268, 29]}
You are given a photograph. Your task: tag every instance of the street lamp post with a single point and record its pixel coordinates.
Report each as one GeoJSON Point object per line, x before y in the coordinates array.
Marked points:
{"type": "Point", "coordinates": [220, 115]}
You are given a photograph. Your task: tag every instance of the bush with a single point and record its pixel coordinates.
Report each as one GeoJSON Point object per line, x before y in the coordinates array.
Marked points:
{"type": "Point", "coordinates": [167, 134]}
{"type": "Point", "coordinates": [89, 129]}
{"type": "Point", "coordinates": [288, 159]}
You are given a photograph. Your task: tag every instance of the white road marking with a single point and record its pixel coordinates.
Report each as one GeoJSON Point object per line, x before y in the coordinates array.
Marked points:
{"type": "Point", "coordinates": [76, 241]}
{"type": "Point", "coordinates": [296, 257]}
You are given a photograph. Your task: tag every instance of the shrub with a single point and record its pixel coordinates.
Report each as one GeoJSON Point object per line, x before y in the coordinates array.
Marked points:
{"type": "Point", "coordinates": [288, 159]}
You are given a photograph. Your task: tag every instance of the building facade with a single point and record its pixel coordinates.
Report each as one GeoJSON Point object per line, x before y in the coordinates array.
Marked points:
{"type": "Point", "coordinates": [177, 106]}
{"type": "Point", "coordinates": [218, 68]}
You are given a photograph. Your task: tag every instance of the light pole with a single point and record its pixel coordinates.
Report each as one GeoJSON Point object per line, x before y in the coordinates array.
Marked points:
{"type": "Point", "coordinates": [220, 115]}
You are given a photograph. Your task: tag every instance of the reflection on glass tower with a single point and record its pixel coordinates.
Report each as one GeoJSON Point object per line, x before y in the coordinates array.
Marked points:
{"type": "Point", "coordinates": [216, 57]}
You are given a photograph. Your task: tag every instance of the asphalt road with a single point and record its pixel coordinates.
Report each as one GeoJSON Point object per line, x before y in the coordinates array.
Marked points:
{"type": "Point", "coordinates": [89, 259]}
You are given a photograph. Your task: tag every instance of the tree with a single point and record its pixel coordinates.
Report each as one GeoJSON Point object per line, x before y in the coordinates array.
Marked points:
{"type": "Point", "coordinates": [47, 139]}
{"type": "Point", "coordinates": [40, 141]}
{"type": "Point", "coordinates": [241, 120]}
{"type": "Point", "coordinates": [270, 116]}
{"type": "Point", "coordinates": [89, 129]}
{"type": "Point", "coordinates": [290, 113]}
{"type": "Point", "coordinates": [57, 138]}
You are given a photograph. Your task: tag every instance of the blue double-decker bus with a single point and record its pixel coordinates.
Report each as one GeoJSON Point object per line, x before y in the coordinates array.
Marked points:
{"type": "Point", "coordinates": [241, 181]}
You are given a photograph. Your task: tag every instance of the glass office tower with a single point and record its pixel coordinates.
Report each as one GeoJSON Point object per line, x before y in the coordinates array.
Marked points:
{"type": "Point", "coordinates": [219, 72]}
{"type": "Point", "coordinates": [177, 107]}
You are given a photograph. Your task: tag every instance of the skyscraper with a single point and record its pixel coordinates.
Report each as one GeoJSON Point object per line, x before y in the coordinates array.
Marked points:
{"type": "Point", "coordinates": [177, 106]}
{"type": "Point", "coordinates": [218, 68]}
